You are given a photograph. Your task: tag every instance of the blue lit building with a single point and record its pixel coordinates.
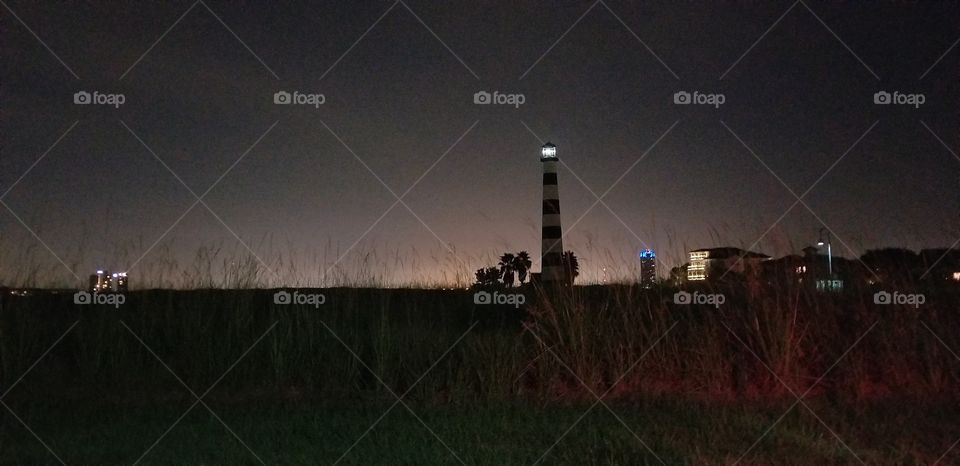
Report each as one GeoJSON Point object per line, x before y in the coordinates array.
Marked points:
{"type": "Point", "coordinates": [648, 268]}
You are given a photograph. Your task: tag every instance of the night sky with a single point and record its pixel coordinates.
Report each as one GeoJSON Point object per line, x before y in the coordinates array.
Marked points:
{"type": "Point", "coordinates": [299, 185]}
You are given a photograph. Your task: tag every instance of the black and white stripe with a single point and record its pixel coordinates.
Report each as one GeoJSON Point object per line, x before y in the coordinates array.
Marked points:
{"type": "Point", "coordinates": [552, 233]}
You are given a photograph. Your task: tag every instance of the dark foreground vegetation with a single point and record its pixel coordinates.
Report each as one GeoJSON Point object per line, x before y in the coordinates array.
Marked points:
{"type": "Point", "coordinates": [311, 433]}
{"type": "Point", "coordinates": [481, 384]}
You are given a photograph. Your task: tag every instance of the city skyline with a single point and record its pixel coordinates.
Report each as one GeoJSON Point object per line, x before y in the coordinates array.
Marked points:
{"type": "Point", "coordinates": [101, 185]}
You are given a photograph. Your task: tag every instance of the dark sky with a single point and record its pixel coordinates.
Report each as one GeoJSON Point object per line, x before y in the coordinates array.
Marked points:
{"type": "Point", "coordinates": [799, 97]}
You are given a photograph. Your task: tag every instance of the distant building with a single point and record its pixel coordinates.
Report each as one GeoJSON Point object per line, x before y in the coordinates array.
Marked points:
{"type": "Point", "coordinates": [100, 282]}
{"type": "Point", "coordinates": [648, 268]}
{"type": "Point", "coordinates": [105, 282]}
{"type": "Point", "coordinates": [788, 269]}
{"type": "Point", "coordinates": [712, 263]}
{"type": "Point", "coordinates": [813, 269]}
{"type": "Point", "coordinates": [119, 282]}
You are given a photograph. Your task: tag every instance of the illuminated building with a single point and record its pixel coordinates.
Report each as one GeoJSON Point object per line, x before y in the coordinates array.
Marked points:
{"type": "Point", "coordinates": [697, 270]}
{"type": "Point", "coordinates": [105, 282]}
{"type": "Point", "coordinates": [716, 262]}
{"type": "Point", "coordinates": [551, 253]}
{"type": "Point", "coordinates": [119, 282]}
{"type": "Point", "coordinates": [100, 282]}
{"type": "Point", "coordinates": [648, 268]}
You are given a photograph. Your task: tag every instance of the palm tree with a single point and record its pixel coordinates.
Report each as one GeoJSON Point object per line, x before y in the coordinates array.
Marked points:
{"type": "Point", "coordinates": [493, 275]}
{"type": "Point", "coordinates": [571, 266]}
{"type": "Point", "coordinates": [522, 264]}
{"type": "Point", "coordinates": [507, 268]}
{"type": "Point", "coordinates": [489, 276]}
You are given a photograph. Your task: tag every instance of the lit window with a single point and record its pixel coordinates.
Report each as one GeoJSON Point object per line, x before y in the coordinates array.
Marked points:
{"type": "Point", "coordinates": [697, 270]}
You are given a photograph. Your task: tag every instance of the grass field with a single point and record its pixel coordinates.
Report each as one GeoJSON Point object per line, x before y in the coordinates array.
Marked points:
{"type": "Point", "coordinates": [286, 432]}
{"type": "Point", "coordinates": [298, 384]}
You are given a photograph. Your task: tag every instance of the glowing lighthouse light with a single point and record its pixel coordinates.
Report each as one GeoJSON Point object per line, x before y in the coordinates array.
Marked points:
{"type": "Point", "coordinates": [548, 151]}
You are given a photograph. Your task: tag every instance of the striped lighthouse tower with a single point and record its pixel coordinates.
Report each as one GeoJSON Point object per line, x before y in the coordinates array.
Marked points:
{"type": "Point", "coordinates": [551, 258]}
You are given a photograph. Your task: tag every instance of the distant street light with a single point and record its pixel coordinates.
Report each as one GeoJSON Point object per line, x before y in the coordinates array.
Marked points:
{"type": "Point", "coordinates": [826, 233]}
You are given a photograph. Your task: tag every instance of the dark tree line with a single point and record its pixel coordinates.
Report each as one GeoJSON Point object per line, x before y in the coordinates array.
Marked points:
{"type": "Point", "coordinates": [514, 267]}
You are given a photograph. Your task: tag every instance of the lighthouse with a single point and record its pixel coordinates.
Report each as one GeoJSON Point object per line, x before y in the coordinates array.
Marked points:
{"type": "Point", "coordinates": [551, 253]}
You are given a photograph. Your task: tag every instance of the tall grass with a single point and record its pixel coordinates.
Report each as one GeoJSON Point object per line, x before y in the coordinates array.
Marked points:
{"type": "Point", "coordinates": [397, 334]}
{"type": "Point", "coordinates": [763, 342]}
{"type": "Point", "coordinates": [560, 345]}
